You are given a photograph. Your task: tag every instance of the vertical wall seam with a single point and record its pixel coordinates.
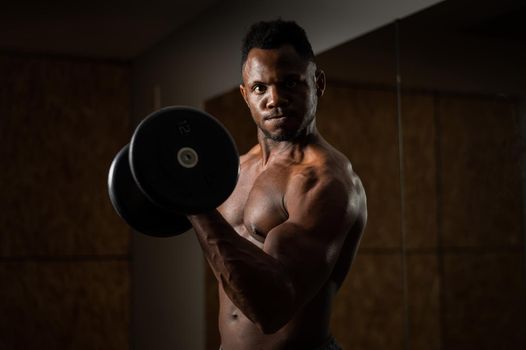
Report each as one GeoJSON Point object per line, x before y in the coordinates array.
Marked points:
{"type": "Point", "coordinates": [131, 293]}
{"type": "Point", "coordinates": [439, 215]}
{"type": "Point", "coordinates": [403, 245]}
{"type": "Point", "coordinates": [522, 164]}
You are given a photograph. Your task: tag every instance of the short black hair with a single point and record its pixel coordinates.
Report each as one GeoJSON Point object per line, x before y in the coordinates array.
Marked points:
{"type": "Point", "coordinates": [273, 35]}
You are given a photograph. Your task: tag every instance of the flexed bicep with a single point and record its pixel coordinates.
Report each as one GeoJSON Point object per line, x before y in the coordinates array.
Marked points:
{"type": "Point", "coordinates": [308, 244]}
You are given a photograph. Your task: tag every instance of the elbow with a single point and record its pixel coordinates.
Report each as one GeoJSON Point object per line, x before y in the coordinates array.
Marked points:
{"type": "Point", "coordinates": [273, 323]}
{"type": "Point", "coordinates": [269, 329]}
{"type": "Point", "coordinates": [277, 314]}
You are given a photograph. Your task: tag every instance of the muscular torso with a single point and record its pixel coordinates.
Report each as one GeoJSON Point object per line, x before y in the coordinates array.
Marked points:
{"type": "Point", "coordinates": [257, 206]}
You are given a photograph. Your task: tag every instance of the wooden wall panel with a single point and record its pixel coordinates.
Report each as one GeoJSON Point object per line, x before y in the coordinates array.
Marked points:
{"type": "Point", "coordinates": [61, 122]}
{"type": "Point", "coordinates": [362, 124]}
{"type": "Point", "coordinates": [64, 252]}
{"type": "Point", "coordinates": [480, 175]}
{"type": "Point", "coordinates": [64, 305]}
{"type": "Point", "coordinates": [484, 301]}
{"type": "Point", "coordinates": [423, 296]}
{"type": "Point", "coordinates": [420, 171]}
{"type": "Point", "coordinates": [368, 311]}
{"type": "Point", "coordinates": [232, 111]}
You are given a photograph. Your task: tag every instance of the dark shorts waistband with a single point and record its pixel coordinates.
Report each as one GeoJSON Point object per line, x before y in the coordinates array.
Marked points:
{"type": "Point", "coordinates": [330, 344]}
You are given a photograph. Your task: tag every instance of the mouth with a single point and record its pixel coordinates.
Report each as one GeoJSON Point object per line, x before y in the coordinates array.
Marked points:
{"type": "Point", "coordinates": [276, 116]}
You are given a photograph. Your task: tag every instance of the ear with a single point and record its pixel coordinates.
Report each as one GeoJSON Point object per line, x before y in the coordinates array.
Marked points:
{"type": "Point", "coordinates": [320, 82]}
{"type": "Point", "coordinates": [243, 93]}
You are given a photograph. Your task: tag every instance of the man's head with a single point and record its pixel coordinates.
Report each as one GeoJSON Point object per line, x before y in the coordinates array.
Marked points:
{"type": "Point", "coordinates": [281, 83]}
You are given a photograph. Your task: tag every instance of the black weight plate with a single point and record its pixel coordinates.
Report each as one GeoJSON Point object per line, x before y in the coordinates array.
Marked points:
{"type": "Point", "coordinates": [184, 160]}
{"type": "Point", "coordinates": [135, 208]}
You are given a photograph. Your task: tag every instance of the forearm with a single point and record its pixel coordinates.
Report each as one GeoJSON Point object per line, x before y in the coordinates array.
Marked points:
{"type": "Point", "coordinates": [256, 282]}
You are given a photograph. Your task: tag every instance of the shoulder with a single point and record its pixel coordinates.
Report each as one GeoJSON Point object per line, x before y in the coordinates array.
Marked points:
{"type": "Point", "coordinates": [327, 177]}
{"type": "Point", "coordinates": [327, 167]}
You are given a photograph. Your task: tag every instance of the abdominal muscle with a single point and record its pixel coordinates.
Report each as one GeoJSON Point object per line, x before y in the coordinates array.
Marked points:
{"type": "Point", "coordinates": [308, 329]}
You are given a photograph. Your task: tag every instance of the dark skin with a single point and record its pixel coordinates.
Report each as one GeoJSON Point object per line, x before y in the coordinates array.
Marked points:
{"type": "Point", "coordinates": [283, 242]}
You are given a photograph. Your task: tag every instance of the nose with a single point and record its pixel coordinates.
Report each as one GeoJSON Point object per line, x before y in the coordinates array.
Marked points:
{"type": "Point", "coordinates": [275, 98]}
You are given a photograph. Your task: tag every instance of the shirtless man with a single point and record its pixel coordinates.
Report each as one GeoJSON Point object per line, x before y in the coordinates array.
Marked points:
{"type": "Point", "coordinates": [282, 244]}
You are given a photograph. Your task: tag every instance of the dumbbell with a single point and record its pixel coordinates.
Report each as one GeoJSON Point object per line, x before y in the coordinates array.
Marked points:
{"type": "Point", "coordinates": [179, 161]}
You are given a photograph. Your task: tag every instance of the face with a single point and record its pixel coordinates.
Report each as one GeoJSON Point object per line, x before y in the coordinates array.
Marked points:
{"type": "Point", "coordinates": [281, 90]}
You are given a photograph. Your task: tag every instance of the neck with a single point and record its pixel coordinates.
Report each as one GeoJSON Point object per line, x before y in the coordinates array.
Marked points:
{"type": "Point", "coordinates": [272, 149]}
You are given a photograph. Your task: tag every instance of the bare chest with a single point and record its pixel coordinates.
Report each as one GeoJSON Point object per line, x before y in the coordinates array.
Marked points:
{"type": "Point", "coordinates": [256, 205]}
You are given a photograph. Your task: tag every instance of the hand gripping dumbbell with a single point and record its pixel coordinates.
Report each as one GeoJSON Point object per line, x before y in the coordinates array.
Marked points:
{"type": "Point", "coordinates": [180, 161]}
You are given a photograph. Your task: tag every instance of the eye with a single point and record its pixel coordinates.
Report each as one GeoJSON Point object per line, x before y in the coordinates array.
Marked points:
{"type": "Point", "coordinates": [259, 88]}
{"type": "Point", "coordinates": [290, 84]}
